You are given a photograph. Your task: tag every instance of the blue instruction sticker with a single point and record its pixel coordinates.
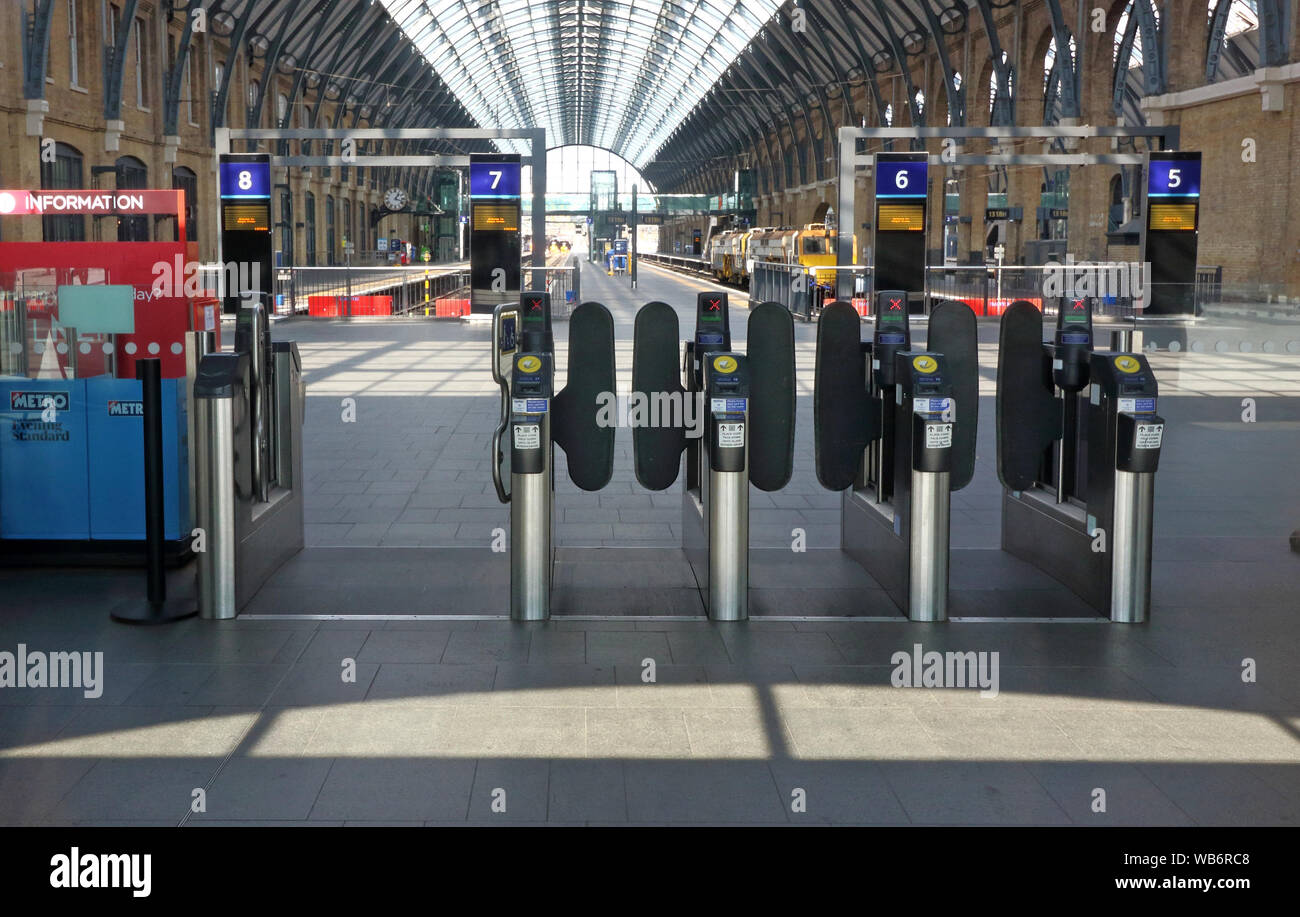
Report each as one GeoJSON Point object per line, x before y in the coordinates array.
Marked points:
{"type": "Point", "coordinates": [727, 405]}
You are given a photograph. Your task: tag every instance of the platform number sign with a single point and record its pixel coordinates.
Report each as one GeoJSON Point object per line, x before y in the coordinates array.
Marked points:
{"type": "Point", "coordinates": [245, 179]}
{"type": "Point", "coordinates": [494, 179]}
{"type": "Point", "coordinates": [1174, 175]}
{"type": "Point", "coordinates": [900, 178]}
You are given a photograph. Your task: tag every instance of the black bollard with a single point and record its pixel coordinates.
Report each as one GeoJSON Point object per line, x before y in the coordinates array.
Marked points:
{"type": "Point", "coordinates": [155, 609]}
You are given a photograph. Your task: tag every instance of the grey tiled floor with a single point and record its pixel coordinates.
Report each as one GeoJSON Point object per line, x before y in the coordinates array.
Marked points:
{"type": "Point", "coordinates": [440, 714]}
{"type": "Point", "coordinates": [286, 719]}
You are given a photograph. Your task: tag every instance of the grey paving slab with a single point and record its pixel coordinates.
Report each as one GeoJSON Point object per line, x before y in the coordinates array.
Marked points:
{"type": "Point", "coordinates": [508, 792]}
{"type": "Point", "coordinates": [971, 793]}
{"type": "Point", "coordinates": [587, 791]}
{"type": "Point", "coordinates": [1107, 794]}
{"type": "Point", "coordinates": [31, 790]}
{"type": "Point", "coordinates": [836, 793]}
{"type": "Point", "coordinates": [158, 790]}
{"type": "Point", "coordinates": [313, 682]}
{"type": "Point", "coordinates": [431, 683]}
{"type": "Point", "coordinates": [701, 793]}
{"type": "Point", "coordinates": [385, 646]}
{"type": "Point", "coordinates": [466, 647]}
{"type": "Point", "coordinates": [265, 788]}
{"type": "Point", "coordinates": [395, 789]}
{"type": "Point", "coordinates": [1223, 794]}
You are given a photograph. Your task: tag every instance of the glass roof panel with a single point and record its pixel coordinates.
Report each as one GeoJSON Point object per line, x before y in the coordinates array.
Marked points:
{"type": "Point", "coordinates": [617, 74]}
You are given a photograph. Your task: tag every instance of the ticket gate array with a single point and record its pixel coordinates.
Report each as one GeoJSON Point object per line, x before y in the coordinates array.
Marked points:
{"type": "Point", "coordinates": [741, 407]}
{"type": "Point", "coordinates": [894, 429]}
{"type": "Point", "coordinates": [248, 463]}
{"type": "Point", "coordinates": [534, 418]}
{"type": "Point", "coordinates": [1078, 442]}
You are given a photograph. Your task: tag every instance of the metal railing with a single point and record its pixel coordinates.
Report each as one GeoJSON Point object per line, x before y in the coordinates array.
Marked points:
{"type": "Point", "coordinates": [563, 283]}
{"type": "Point", "coordinates": [803, 290]}
{"type": "Point", "coordinates": [680, 262]}
{"type": "Point", "coordinates": [410, 288]}
{"type": "Point", "coordinates": [987, 289]}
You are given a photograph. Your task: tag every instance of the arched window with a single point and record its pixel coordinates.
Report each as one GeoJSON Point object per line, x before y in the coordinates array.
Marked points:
{"type": "Point", "coordinates": [132, 173]}
{"type": "Point", "coordinates": [993, 84]}
{"type": "Point", "coordinates": [309, 208]}
{"type": "Point", "coordinates": [889, 115]}
{"type": "Point", "coordinates": [184, 179]}
{"type": "Point", "coordinates": [218, 77]}
{"type": "Point", "coordinates": [1115, 216]}
{"type": "Point", "coordinates": [286, 228]}
{"type": "Point", "coordinates": [1121, 27]}
{"type": "Point", "coordinates": [919, 99]}
{"type": "Point", "coordinates": [956, 87]}
{"type": "Point", "coordinates": [329, 231]}
{"type": "Point", "coordinates": [348, 235]}
{"type": "Point", "coordinates": [1051, 85]}
{"type": "Point", "coordinates": [66, 171]}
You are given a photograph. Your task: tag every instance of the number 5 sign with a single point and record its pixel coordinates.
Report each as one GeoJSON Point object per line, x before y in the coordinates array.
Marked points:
{"type": "Point", "coordinates": [1174, 175]}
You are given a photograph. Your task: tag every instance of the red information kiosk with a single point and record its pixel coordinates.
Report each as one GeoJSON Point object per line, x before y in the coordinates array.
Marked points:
{"type": "Point", "coordinates": [74, 318]}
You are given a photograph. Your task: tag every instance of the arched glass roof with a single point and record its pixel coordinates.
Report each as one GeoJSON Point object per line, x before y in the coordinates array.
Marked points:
{"type": "Point", "coordinates": [617, 74]}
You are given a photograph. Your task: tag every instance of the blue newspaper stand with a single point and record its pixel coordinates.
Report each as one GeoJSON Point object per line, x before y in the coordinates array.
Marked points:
{"type": "Point", "coordinates": [115, 428]}
{"type": "Point", "coordinates": [44, 486]}
{"type": "Point", "coordinates": [72, 461]}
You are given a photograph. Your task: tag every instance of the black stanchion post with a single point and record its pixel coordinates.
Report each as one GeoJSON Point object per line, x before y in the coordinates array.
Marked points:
{"type": "Point", "coordinates": [156, 609]}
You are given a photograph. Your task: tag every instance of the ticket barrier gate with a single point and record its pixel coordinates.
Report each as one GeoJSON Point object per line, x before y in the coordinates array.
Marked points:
{"type": "Point", "coordinates": [740, 410]}
{"type": "Point", "coordinates": [248, 464]}
{"type": "Point", "coordinates": [1078, 441]}
{"type": "Point", "coordinates": [894, 429]}
{"type": "Point", "coordinates": [534, 418]}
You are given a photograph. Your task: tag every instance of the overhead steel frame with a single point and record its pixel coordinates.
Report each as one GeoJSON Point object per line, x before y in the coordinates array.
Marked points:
{"type": "Point", "coordinates": [840, 54]}
{"type": "Point", "coordinates": [1004, 110]}
{"type": "Point", "coordinates": [850, 158]}
{"type": "Point", "coordinates": [1275, 24]}
{"type": "Point", "coordinates": [535, 137]}
{"type": "Point", "coordinates": [115, 61]}
{"type": "Point", "coordinates": [36, 48]}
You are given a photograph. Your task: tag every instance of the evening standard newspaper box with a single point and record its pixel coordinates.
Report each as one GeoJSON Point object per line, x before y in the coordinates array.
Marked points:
{"type": "Point", "coordinates": [44, 489]}
{"type": "Point", "coordinates": [72, 459]}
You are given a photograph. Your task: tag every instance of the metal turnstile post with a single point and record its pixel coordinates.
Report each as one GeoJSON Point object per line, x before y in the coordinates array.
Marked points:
{"type": "Point", "coordinates": [727, 499]}
{"type": "Point", "coordinates": [218, 390]}
{"type": "Point", "coordinates": [1130, 585]}
{"type": "Point", "coordinates": [930, 525]}
{"type": "Point", "coordinates": [531, 527]}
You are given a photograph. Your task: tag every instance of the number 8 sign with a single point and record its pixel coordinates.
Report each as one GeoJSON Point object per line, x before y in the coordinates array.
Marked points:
{"type": "Point", "coordinates": [245, 177]}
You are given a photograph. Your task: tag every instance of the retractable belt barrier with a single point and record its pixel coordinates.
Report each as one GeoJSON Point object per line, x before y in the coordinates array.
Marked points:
{"type": "Point", "coordinates": [895, 429]}
{"type": "Point", "coordinates": [743, 408]}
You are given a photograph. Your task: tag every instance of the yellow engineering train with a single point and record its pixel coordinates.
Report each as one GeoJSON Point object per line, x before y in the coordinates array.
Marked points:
{"type": "Point", "coordinates": [733, 253]}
